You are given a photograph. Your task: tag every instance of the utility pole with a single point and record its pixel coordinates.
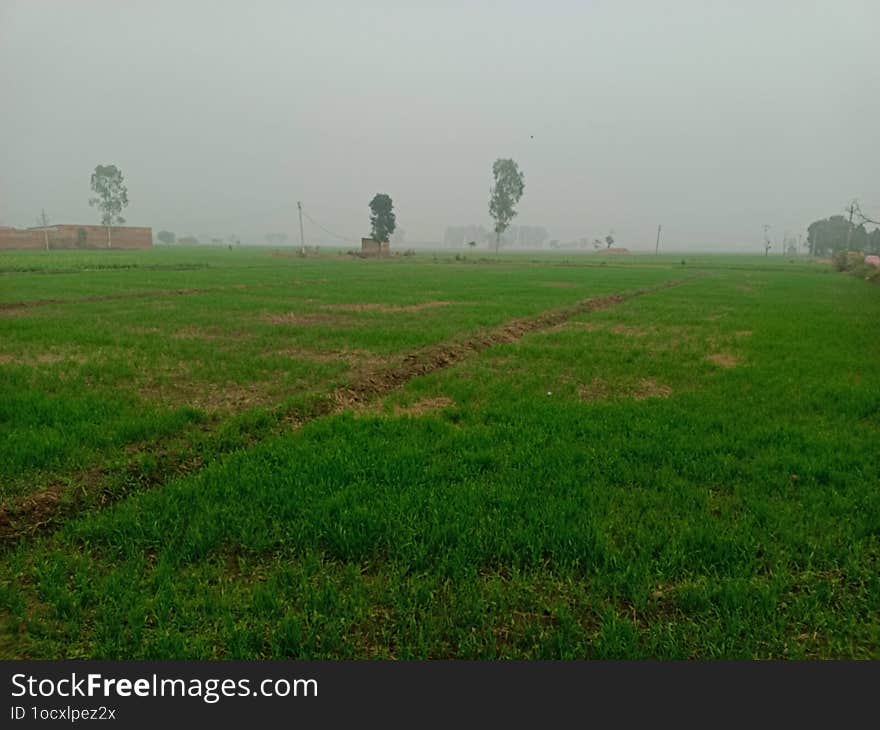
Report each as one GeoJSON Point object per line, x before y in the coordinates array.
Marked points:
{"type": "Point", "coordinates": [852, 209]}
{"type": "Point", "coordinates": [767, 244]}
{"type": "Point", "coordinates": [44, 222]}
{"type": "Point", "coordinates": [302, 238]}
{"type": "Point", "coordinates": [657, 246]}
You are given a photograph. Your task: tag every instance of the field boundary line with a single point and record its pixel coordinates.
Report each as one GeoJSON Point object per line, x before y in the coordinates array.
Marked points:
{"type": "Point", "coordinates": [146, 294]}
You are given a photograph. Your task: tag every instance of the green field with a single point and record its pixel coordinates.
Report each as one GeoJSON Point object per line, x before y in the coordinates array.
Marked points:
{"type": "Point", "coordinates": [212, 453]}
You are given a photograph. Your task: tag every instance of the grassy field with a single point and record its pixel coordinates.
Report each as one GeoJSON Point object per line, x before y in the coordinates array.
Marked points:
{"type": "Point", "coordinates": [240, 454]}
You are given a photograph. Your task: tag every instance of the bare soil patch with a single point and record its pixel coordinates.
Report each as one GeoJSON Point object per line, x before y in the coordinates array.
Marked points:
{"type": "Point", "coordinates": [650, 388]}
{"type": "Point", "coordinates": [418, 408]}
{"type": "Point", "coordinates": [426, 405]}
{"type": "Point", "coordinates": [723, 359]}
{"type": "Point", "coordinates": [37, 511]}
{"type": "Point", "coordinates": [600, 389]}
{"type": "Point", "coordinates": [311, 319]}
{"type": "Point", "coordinates": [378, 307]}
{"type": "Point", "coordinates": [193, 333]}
{"type": "Point", "coordinates": [597, 389]}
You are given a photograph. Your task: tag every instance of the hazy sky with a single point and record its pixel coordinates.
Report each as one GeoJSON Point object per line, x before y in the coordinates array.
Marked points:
{"type": "Point", "coordinates": [711, 118]}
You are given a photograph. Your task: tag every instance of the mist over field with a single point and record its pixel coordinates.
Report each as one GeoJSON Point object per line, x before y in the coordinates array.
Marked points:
{"type": "Point", "coordinates": [712, 118]}
{"type": "Point", "coordinates": [278, 379]}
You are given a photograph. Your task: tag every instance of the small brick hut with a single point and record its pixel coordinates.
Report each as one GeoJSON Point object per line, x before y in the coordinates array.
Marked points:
{"type": "Point", "coordinates": [371, 247]}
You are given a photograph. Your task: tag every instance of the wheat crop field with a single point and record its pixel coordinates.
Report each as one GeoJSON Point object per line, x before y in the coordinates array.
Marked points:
{"type": "Point", "coordinates": [214, 453]}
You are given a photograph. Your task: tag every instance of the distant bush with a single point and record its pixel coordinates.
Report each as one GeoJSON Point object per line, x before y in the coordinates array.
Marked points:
{"type": "Point", "coordinates": [847, 260]}
{"type": "Point", "coordinates": [853, 262]}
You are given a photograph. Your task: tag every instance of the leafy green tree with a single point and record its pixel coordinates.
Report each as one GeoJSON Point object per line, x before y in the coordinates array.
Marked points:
{"type": "Point", "coordinates": [382, 218]}
{"type": "Point", "coordinates": [111, 196]}
{"type": "Point", "coordinates": [504, 195]}
{"type": "Point", "coordinates": [827, 236]}
{"type": "Point", "coordinates": [166, 237]}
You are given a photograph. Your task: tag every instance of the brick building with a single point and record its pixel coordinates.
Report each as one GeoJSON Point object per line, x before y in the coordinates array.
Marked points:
{"type": "Point", "coordinates": [71, 236]}
{"type": "Point", "coordinates": [371, 247]}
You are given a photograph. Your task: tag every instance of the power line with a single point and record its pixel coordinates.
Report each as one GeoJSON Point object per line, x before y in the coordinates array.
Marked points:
{"type": "Point", "coordinates": [326, 230]}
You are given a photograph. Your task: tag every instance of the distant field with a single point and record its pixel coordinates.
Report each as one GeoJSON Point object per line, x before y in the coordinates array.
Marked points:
{"type": "Point", "coordinates": [212, 453]}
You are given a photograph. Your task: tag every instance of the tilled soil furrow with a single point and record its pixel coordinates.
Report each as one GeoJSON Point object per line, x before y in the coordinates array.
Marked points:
{"type": "Point", "coordinates": [41, 511]}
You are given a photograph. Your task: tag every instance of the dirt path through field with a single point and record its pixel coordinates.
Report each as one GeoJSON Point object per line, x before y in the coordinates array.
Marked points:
{"type": "Point", "coordinates": [43, 510]}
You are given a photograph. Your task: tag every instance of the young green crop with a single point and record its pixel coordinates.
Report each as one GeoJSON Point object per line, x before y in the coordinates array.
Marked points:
{"type": "Point", "coordinates": [688, 473]}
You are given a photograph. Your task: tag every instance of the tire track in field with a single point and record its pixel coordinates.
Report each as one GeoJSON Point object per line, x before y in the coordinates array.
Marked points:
{"type": "Point", "coordinates": [42, 511]}
{"type": "Point", "coordinates": [443, 355]}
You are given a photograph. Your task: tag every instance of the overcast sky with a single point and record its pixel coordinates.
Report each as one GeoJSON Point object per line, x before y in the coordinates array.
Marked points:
{"type": "Point", "coordinates": [712, 118]}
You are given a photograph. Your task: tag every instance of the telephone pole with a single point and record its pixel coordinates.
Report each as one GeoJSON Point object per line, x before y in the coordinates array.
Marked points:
{"type": "Point", "coordinates": [657, 246]}
{"type": "Point", "coordinates": [302, 238]}
{"type": "Point", "coordinates": [44, 222]}
{"type": "Point", "coordinates": [852, 209]}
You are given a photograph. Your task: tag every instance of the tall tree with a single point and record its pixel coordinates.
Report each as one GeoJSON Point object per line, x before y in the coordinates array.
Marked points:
{"type": "Point", "coordinates": [382, 218]}
{"type": "Point", "coordinates": [504, 195]}
{"type": "Point", "coordinates": [829, 235]}
{"type": "Point", "coordinates": [166, 237]}
{"type": "Point", "coordinates": [111, 196]}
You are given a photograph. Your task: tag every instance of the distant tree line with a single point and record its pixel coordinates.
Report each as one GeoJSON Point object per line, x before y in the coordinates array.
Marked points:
{"type": "Point", "coordinates": [830, 235]}
{"type": "Point", "coordinates": [513, 237]}
{"type": "Point", "coordinates": [169, 237]}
